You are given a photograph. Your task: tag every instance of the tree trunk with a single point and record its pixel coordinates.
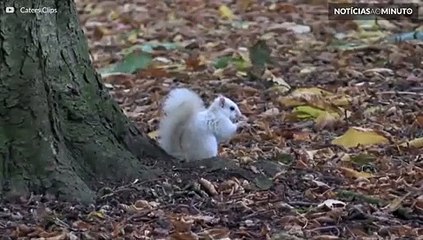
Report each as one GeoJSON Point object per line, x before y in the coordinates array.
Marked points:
{"type": "Point", "coordinates": [60, 131]}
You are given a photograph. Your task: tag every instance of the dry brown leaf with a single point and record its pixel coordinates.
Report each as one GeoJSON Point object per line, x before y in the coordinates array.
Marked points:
{"type": "Point", "coordinates": [195, 63]}
{"type": "Point", "coordinates": [60, 236]}
{"type": "Point", "coordinates": [158, 72]}
{"type": "Point", "coordinates": [351, 173]}
{"type": "Point", "coordinates": [184, 236]}
{"type": "Point", "coordinates": [143, 204]}
{"type": "Point", "coordinates": [419, 202]}
{"type": "Point", "coordinates": [130, 208]}
{"type": "Point", "coordinates": [210, 189]}
{"type": "Point", "coordinates": [270, 112]}
{"type": "Point", "coordinates": [81, 225]}
{"type": "Point", "coordinates": [326, 237]}
{"type": "Point", "coordinates": [216, 233]}
{"type": "Point", "coordinates": [181, 225]}
{"type": "Point", "coordinates": [243, 5]}
{"type": "Point", "coordinates": [415, 143]}
{"type": "Point", "coordinates": [229, 186]}
{"type": "Point", "coordinates": [326, 120]}
{"type": "Point", "coordinates": [396, 203]}
{"type": "Point", "coordinates": [301, 136]}
{"type": "Point", "coordinates": [419, 121]}
{"type": "Point", "coordinates": [283, 86]}
{"type": "Point", "coordinates": [379, 70]}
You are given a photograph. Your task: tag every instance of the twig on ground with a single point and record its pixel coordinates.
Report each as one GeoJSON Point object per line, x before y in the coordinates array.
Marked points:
{"type": "Point", "coordinates": [400, 93]}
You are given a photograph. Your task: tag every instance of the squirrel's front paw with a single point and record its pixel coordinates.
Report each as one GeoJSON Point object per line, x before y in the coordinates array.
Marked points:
{"type": "Point", "coordinates": [242, 124]}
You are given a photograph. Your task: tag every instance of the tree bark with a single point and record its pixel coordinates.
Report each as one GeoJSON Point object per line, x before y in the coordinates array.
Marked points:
{"type": "Point", "coordinates": [60, 131]}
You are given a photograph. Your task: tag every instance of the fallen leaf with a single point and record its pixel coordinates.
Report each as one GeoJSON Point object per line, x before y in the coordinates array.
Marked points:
{"type": "Point", "coordinates": [215, 233]}
{"type": "Point", "coordinates": [296, 28]}
{"type": "Point", "coordinates": [243, 5]}
{"type": "Point", "coordinates": [314, 96]}
{"type": "Point", "coordinates": [96, 214]}
{"type": "Point", "coordinates": [130, 208]}
{"type": "Point", "coordinates": [131, 63]}
{"type": "Point", "coordinates": [301, 136]}
{"type": "Point", "coordinates": [326, 237]}
{"type": "Point", "coordinates": [396, 203]}
{"type": "Point", "coordinates": [60, 236]}
{"type": "Point", "coordinates": [356, 136]}
{"type": "Point", "coordinates": [307, 70]}
{"type": "Point", "coordinates": [419, 120]}
{"type": "Point", "coordinates": [307, 112]}
{"type": "Point", "coordinates": [209, 187]}
{"type": "Point", "coordinates": [182, 224]}
{"type": "Point", "coordinates": [263, 183]}
{"type": "Point", "coordinates": [348, 172]}
{"type": "Point", "coordinates": [100, 31]}
{"type": "Point", "coordinates": [415, 143]}
{"type": "Point", "coordinates": [311, 91]}
{"type": "Point", "coordinates": [222, 62]}
{"type": "Point", "coordinates": [362, 159]}
{"type": "Point", "coordinates": [332, 203]}
{"type": "Point", "coordinates": [153, 134]}
{"type": "Point", "coordinates": [226, 12]}
{"type": "Point", "coordinates": [81, 225]}
{"type": "Point", "coordinates": [419, 202]}
{"type": "Point", "coordinates": [324, 116]}
{"type": "Point", "coordinates": [184, 236]}
{"type": "Point", "coordinates": [270, 112]}
{"type": "Point", "coordinates": [259, 54]}
{"type": "Point", "coordinates": [326, 120]}
{"type": "Point", "coordinates": [283, 86]}
{"type": "Point", "coordinates": [195, 62]}
{"type": "Point", "coordinates": [149, 47]}
{"type": "Point", "coordinates": [379, 70]}
{"type": "Point", "coordinates": [152, 73]}
{"type": "Point", "coordinates": [132, 37]}
{"type": "Point", "coordinates": [143, 204]}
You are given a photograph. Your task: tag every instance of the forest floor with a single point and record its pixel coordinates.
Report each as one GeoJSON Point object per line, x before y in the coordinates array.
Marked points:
{"type": "Point", "coordinates": [336, 123]}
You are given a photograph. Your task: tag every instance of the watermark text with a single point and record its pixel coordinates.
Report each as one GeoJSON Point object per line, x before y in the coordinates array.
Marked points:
{"type": "Point", "coordinates": [347, 11]}
{"type": "Point", "coordinates": [40, 10]}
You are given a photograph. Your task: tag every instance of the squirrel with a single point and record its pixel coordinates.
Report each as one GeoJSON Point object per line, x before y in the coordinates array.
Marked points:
{"type": "Point", "coordinates": [189, 131]}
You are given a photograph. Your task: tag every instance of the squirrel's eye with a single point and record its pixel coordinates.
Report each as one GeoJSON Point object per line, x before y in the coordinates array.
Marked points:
{"type": "Point", "coordinates": [232, 108]}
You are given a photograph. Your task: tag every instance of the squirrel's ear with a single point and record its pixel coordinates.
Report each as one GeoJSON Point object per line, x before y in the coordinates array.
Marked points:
{"type": "Point", "coordinates": [221, 101]}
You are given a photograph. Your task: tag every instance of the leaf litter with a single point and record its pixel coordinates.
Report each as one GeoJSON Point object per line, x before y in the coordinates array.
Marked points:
{"type": "Point", "coordinates": [336, 113]}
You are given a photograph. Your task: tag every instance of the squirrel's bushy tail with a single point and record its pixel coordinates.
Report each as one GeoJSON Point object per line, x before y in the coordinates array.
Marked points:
{"type": "Point", "coordinates": [179, 107]}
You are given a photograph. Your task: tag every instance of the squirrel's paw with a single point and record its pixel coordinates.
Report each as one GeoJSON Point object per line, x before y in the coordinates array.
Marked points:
{"type": "Point", "coordinates": [242, 124]}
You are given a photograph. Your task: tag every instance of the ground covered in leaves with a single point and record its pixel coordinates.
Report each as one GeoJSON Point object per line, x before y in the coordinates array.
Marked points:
{"type": "Point", "coordinates": [335, 112]}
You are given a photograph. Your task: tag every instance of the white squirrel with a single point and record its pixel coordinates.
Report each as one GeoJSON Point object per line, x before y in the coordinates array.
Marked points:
{"type": "Point", "coordinates": [189, 131]}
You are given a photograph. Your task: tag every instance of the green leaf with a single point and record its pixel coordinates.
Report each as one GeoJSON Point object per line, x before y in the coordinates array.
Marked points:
{"type": "Point", "coordinates": [149, 47]}
{"type": "Point", "coordinates": [240, 63]}
{"type": "Point", "coordinates": [263, 183]}
{"type": "Point", "coordinates": [307, 112]}
{"type": "Point", "coordinates": [225, 61]}
{"type": "Point", "coordinates": [222, 62]}
{"type": "Point", "coordinates": [285, 158]}
{"type": "Point", "coordinates": [363, 159]}
{"type": "Point", "coordinates": [132, 62]}
{"type": "Point", "coordinates": [260, 54]}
